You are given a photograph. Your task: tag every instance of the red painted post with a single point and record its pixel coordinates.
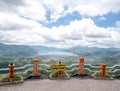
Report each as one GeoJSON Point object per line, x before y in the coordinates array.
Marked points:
{"type": "Point", "coordinates": [11, 72]}
{"type": "Point", "coordinates": [81, 66]}
{"type": "Point", "coordinates": [59, 71]}
{"type": "Point", "coordinates": [103, 70]}
{"type": "Point", "coordinates": [36, 67]}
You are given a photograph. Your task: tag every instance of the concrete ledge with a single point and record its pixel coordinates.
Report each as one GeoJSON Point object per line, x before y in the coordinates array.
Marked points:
{"type": "Point", "coordinates": [99, 78]}
{"type": "Point", "coordinates": [56, 78]}
{"type": "Point", "coordinates": [8, 83]}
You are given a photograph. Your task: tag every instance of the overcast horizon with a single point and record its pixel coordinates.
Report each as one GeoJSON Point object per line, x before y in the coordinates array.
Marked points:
{"type": "Point", "coordinates": [60, 23]}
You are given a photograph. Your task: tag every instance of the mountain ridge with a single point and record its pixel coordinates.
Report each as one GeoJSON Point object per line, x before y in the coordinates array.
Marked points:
{"type": "Point", "coordinates": [9, 51]}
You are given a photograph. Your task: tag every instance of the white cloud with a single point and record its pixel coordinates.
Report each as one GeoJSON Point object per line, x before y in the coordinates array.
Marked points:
{"type": "Point", "coordinates": [60, 8]}
{"type": "Point", "coordinates": [19, 24]}
{"type": "Point", "coordinates": [79, 32]}
{"type": "Point", "coordinates": [37, 9]}
{"type": "Point", "coordinates": [33, 10]}
{"type": "Point", "coordinates": [118, 24]}
{"type": "Point", "coordinates": [102, 18]}
{"type": "Point", "coordinates": [14, 22]}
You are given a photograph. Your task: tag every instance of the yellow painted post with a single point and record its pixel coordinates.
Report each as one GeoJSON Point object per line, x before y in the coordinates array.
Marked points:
{"type": "Point", "coordinates": [11, 72]}
{"type": "Point", "coordinates": [59, 71]}
{"type": "Point", "coordinates": [36, 67]}
{"type": "Point", "coordinates": [103, 70]}
{"type": "Point", "coordinates": [81, 66]}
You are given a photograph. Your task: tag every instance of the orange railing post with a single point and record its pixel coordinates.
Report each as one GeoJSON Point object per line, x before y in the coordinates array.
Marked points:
{"type": "Point", "coordinates": [11, 72]}
{"type": "Point", "coordinates": [81, 66]}
{"type": "Point", "coordinates": [36, 67]}
{"type": "Point", "coordinates": [103, 70]}
{"type": "Point", "coordinates": [59, 71]}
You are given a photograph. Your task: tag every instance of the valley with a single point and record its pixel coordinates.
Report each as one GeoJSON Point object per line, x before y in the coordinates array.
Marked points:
{"type": "Point", "coordinates": [22, 54]}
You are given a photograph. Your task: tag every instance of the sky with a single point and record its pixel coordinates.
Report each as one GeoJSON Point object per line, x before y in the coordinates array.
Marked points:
{"type": "Point", "coordinates": [60, 23]}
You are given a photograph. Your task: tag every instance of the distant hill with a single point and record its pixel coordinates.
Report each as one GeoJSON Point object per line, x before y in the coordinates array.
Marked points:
{"type": "Point", "coordinates": [110, 55]}
{"type": "Point", "coordinates": [44, 49]}
{"type": "Point", "coordinates": [13, 51]}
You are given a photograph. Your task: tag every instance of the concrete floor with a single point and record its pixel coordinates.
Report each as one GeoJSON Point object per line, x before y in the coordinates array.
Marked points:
{"type": "Point", "coordinates": [64, 85]}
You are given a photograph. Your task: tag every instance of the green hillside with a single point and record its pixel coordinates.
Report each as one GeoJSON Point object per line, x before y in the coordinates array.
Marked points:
{"type": "Point", "coordinates": [14, 51]}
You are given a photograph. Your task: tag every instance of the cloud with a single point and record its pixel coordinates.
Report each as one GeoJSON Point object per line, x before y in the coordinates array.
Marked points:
{"type": "Point", "coordinates": [88, 34]}
{"type": "Point", "coordinates": [38, 9]}
{"type": "Point", "coordinates": [14, 22]}
{"type": "Point", "coordinates": [59, 8]}
{"type": "Point", "coordinates": [102, 18]}
{"type": "Point", "coordinates": [32, 9]}
{"type": "Point", "coordinates": [21, 22]}
{"type": "Point", "coordinates": [117, 23]}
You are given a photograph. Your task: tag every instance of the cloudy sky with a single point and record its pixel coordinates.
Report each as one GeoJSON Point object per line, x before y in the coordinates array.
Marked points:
{"type": "Point", "coordinates": [60, 23]}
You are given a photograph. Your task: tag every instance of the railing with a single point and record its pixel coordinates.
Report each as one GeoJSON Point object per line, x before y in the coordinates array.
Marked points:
{"type": "Point", "coordinates": [45, 67]}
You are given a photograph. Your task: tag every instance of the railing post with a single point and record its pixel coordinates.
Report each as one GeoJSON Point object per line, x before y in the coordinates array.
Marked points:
{"type": "Point", "coordinates": [81, 66]}
{"type": "Point", "coordinates": [36, 67]}
{"type": "Point", "coordinates": [59, 71]}
{"type": "Point", "coordinates": [103, 70]}
{"type": "Point", "coordinates": [11, 72]}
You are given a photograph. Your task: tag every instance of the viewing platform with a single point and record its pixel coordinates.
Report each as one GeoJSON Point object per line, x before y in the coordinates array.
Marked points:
{"type": "Point", "coordinates": [64, 85]}
{"type": "Point", "coordinates": [60, 77]}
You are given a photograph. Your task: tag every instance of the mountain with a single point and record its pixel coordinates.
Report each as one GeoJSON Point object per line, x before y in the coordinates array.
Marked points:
{"type": "Point", "coordinates": [86, 51]}
{"type": "Point", "coordinates": [44, 49]}
{"type": "Point", "coordinates": [13, 51]}
{"type": "Point", "coordinates": [51, 51]}
{"type": "Point", "coordinates": [108, 55]}
{"type": "Point", "coordinates": [85, 48]}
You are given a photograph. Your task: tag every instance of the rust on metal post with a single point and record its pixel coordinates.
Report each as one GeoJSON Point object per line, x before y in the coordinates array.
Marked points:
{"type": "Point", "coordinates": [81, 66]}
{"type": "Point", "coordinates": [36, 67]}
{"type": "Point", "coordinates": [11, 72]}
{"type": "Point", "coordinates": [103, 70]}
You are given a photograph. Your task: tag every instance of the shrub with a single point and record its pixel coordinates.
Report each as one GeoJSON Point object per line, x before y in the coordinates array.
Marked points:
{"type": "Point", "coordinates": [17, 77]}
{"type": "Point", "coordinates": [6, 79]}
{"type": "Point", "coordinates": [97, 74]}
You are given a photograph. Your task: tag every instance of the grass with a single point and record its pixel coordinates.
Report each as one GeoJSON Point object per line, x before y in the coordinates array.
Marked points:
{"type": "Point", "coordinates": [6, 78]}
{"type": "Point", "coordinates": [97, 74]}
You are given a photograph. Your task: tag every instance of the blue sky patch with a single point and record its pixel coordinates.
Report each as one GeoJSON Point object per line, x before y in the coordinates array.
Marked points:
{"type": "Point", "coordinates": [110, 20]}
{"type": "Point", "coordinates": [63, 20]}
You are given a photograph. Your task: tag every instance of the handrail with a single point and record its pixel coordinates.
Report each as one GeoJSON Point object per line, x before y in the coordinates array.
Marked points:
{"type": "Point", "coordinates": [45, 65]}
{"type": "Point", "coordinates": [27, 65]}
{"type": "Point", "coordinates": [92, 66]}
{"type": "Point", "coordinates": [18, 68]}
{"type": "Point", "coordinates": [84, 64]}
{"type": "Point", "coordinates": [116, 70]}
{"type": "Point", "coordinates": [77, 69]}
{"type": "Point", "coordinates": [27, 68]}
{"type": "Point", "coordinates": [114, 66]}
{"type": "Point", "coordinates": [46, 70]}
{"type": "Point", "coordinates": [88, 69]}
{"type": "Point", "coordinates": [72, 65]}
{"type": "Point", "coordinates": [23, 67]}
{"type": "Point", "coordinates": [72, 70]}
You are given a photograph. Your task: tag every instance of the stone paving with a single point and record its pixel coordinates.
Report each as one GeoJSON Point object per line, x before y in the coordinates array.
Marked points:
{"type": "Point", "coordinates": [64, 85]}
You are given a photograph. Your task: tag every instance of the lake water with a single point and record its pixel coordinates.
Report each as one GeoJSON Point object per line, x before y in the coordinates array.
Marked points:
{"type": "Point", "coordinates": [58, 53]}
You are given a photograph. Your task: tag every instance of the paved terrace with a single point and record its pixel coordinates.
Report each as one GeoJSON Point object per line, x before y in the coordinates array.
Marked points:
{"type": "Point", "coordinates": [65, 85]}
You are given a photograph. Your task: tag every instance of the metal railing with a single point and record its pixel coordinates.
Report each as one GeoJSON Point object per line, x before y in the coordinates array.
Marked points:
{"type": "Point", "coordinates": [45, 67]}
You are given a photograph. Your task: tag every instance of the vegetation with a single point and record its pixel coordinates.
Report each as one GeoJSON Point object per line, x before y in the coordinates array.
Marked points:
{"type": "Point", "coordinates": [97, 74]}
{"type": "Point", "coordinates": [6, 78]}
{"type": "Point", "coordinates": [22, 55]}
{"type": "Point", "coordinates": [16, 51]}
{"type": "Point", "coordinates": [4, 62]}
